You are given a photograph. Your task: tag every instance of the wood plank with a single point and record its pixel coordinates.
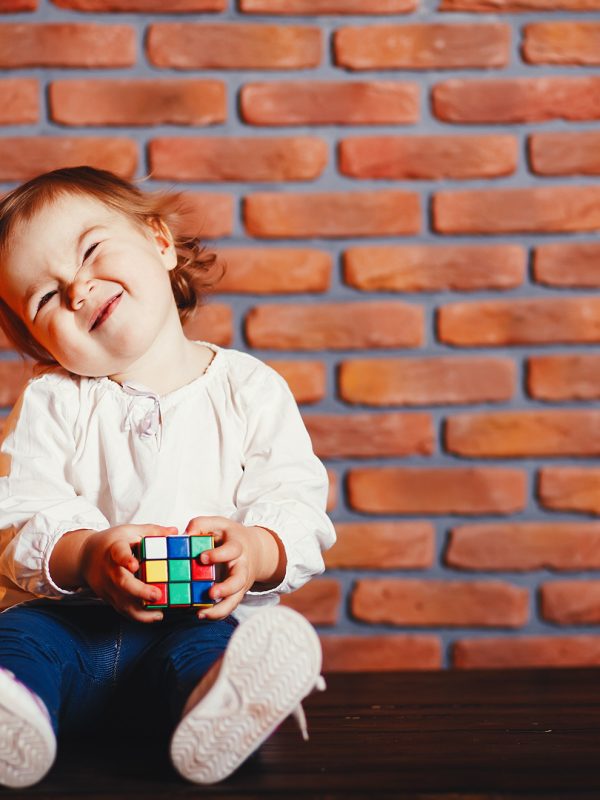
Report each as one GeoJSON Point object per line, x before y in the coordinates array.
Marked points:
{"type": "Point", "coordinates": [451, 735]}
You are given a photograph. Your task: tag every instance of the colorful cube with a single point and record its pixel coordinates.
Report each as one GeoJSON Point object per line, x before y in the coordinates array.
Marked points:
{"type": "Point", "coordinates": [172, 564]}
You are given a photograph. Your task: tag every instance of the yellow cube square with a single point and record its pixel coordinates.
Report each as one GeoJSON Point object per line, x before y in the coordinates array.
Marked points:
{"type": "Point", "coordinates": [156, 571]}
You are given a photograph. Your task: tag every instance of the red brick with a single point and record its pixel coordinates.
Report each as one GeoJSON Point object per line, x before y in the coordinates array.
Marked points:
{"type": "Point", "coordinates": [517, 99]}
{"type": "Point", "coordinates": [431, 46]}
{"type": "Point", "coordinates": [566, 264]}
{"type": "Point", "coordinates": [293, 158]}
{"type": "Point", "coordinates": [570, 489]}
{"type": "Point", "coordinates": [486, 603]}
{"type": "Point", "coordinates": [398, 490]}
{"type": "Point", "coordinates": [562, 43]}
{"type": "Point", "coordinates": [547, 209]}
{"type": "Point", "coordinates": [381, 653]}
{"type": "Point", "coordinates": [428, 157]}
{"type": "Point", "coordinates": [306, 379]}
{"type": "Point", "coordinates": [571, 602]}
{"type": "Point", "coordinates": [527, 651]}
{"type": "Point", "coordinates": [19, 103]}
{"type": "Point", "coordinates": [274, 215]}
{"type": "Point", "coordinates": [524, 433]}
{"type": "Point", "coordinates": [519, 5]}
{"type": "Point", "coordinates": [335, 326]}
{"type": "Point", "coordinates": [209, 216]}
{"type": "Point", "coordinates": [212, 323]}
{"type": "Point", "coordinates": [327, 6]}
{"type": "Point", "coordinates": [427, 381]}
{"type": "Point", "coordinates": [22, 158]}
{"type": "Point", "coordinates": [319, 601]}
{"type": "Point", "coordinates": [330, 103]}
{"type": "Point", "coordinates": [144, 6]}
{"type": "Point", "coordinates": [332, 494]}
{"type": "Point", "coordinates": [369, 435]}
{"type": "Point", "coordinates": [382, 545]}
{"type": "Point", "coordinates": [8, 6]}
{"type": "Point", "coordinates": [13, 378]}
{"type": "Point", "coordinates": [521, 321]}
{"type": "Point", "coordinates": [565, 153]}
{"type": "Point", "coordinates": [137, 102]}
{"type": "Point", "coordinates": [66, 45]}
{"type": "Point", "coordinates": [269, 271]}
{"type": "Point", "coordinates": [185, 45]}
{"type": "Point", "coordinates": [422, 268]}
{"type": "Point", "coordinates": [564, 377]}
{"type": "Point", "coordinates": [525, 546]}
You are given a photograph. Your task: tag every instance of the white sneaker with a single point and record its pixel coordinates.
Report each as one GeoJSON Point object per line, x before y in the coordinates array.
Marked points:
{"type": "Point", "coordinates": [272, 662]}
{"type": "Point", "coordinates": [27, 741]}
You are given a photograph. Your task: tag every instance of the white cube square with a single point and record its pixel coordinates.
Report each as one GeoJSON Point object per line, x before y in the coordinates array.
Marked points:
{"type": "Point", "coordinates": [156, 547]}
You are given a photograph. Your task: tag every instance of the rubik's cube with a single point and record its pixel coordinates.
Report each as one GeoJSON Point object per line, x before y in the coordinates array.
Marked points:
{"type": "Point", "coordinates": [172, 564]}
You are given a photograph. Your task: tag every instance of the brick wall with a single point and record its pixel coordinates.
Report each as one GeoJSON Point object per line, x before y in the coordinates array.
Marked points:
{"type": "Point", "coordinates": [406, 194]}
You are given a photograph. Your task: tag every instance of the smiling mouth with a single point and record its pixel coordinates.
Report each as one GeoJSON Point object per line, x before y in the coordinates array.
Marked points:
{"type": "Point", "coordinates": [106, 311]}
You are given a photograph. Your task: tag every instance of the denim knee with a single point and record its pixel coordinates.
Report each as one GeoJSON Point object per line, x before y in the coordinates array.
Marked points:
{"type": "Point", "coordinates": [175, 664]}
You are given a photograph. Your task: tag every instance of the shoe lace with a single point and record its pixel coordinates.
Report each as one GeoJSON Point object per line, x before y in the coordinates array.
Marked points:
{"type": "Point", "coordinates": [298, 712]}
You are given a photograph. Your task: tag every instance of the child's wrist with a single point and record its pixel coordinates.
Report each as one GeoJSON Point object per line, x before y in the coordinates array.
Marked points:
{"type": "Point", "coordinates": [270, 559]}
{"type": "Point", "coordinates": [84, 556]}
{"type": "Point", "coordinates": [66, 559]}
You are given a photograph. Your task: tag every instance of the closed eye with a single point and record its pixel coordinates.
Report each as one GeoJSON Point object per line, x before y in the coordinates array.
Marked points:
{"type": "Point", "coordinates": [90, 249]}
{"type": "Point", "coordinates": [45, 299]}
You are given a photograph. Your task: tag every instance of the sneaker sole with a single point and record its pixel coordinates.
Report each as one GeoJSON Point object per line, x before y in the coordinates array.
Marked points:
{"type": "Point", "coordinates": [271, 663]}
{"type": "Point", "coordinates": [27, 748]}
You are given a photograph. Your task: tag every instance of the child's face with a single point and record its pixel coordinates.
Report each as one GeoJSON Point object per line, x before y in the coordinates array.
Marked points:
{"type": "Point", "coordinates": [60, 273]}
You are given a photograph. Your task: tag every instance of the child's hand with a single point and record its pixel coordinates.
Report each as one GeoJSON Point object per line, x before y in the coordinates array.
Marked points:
{"type": "Point", "coordinates": [252, 554]}
{"type": "Point", "coordinates": [108, 564]}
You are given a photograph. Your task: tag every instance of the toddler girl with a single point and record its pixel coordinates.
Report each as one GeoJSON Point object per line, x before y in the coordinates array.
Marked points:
{"type": "Point", "coordinates": [130, 429]}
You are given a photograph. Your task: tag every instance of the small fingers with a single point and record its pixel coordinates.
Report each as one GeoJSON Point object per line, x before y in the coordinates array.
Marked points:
{"type": "Point", "coordinates": [140, 615]}
{"type": "Point", "coordinates": [222, 609]}
{"type": "Point", "coordinates": [133, 587]}
{"type": "Point", "coordinates": [133, 565]}
{"type": "Point", "coordinates": [228, 551]}
{"type": "Point", "coordinates": [231, 585]}
{"type": "Point", "coordinates": [133, 533]}
{"type": "Point", "coordinates": [121, 553]}
{"type": "Point", "coordinates": [214, 525]}
{"type": "Point", "coordinates": [149, 530]}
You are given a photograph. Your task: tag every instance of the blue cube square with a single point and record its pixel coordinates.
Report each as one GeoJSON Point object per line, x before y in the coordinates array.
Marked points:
{"type": "Point", "coordinates": [200, 592]}
{"type": "Point", "coordinates": [178, 546]}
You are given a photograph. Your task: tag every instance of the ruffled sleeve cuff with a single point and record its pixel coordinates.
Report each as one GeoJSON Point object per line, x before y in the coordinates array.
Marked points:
{"type": "Point", "coordinates": [33, 546]}
{"type": "Point", "coordinates": [49, 587]}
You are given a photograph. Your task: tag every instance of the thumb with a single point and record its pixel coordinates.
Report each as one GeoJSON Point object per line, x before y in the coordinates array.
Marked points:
{"type": "Point", "coordinates": [136, 532]}
{"type": "Point", "coordinates": [121, 552]}
{"type": "Point", "coordinates": [156, 530]}
{"type": "Point", "coordinates": [125, 555]}
{"type": "Point", "coordinates": [206, 525]}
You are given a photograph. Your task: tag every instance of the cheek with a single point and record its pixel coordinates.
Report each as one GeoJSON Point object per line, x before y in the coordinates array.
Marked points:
{"type": "Point", "coordinates": [59, 335]}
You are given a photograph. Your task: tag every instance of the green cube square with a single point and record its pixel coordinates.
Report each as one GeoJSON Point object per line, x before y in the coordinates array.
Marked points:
{"type": "Point", "coordinates": [198, 544]}
{"type": "Point", "coordinates": [179, 594]}
{"type": "Point", "coordinates": [179, 569]}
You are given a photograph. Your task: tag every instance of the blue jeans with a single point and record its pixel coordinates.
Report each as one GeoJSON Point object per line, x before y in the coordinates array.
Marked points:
{"type": "Point", "coordinates": [93, 667]}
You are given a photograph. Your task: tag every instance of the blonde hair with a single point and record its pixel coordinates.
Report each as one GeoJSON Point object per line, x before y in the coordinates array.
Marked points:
{"type": "Point", "coordinates": [191, 279]}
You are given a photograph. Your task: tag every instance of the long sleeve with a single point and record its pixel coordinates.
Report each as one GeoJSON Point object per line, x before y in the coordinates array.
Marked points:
{"type": "Point", "coordinates": [38, 504]}
{"type": "Point", "coordinates": [284, 486]}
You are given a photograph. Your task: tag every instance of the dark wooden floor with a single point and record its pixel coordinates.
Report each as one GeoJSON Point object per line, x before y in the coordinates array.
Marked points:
{"type": "Point", "coordinates": [443, 735]}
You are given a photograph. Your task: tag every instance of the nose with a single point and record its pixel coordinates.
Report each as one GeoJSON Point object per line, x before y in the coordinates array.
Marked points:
{"type": "Point", "coordinates": [79, 288]}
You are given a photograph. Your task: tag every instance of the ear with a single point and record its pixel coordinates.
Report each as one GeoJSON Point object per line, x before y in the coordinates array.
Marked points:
{"type": "Point", "coordinates": [163, 238]}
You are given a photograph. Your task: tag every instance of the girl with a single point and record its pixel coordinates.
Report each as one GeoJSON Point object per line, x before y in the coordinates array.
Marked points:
{"type": "Point", "coordinates": [130, 429]}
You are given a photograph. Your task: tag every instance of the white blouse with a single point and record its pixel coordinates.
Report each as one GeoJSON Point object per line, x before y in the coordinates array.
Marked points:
{"type": "Point", "coordinates": [90, 453]}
